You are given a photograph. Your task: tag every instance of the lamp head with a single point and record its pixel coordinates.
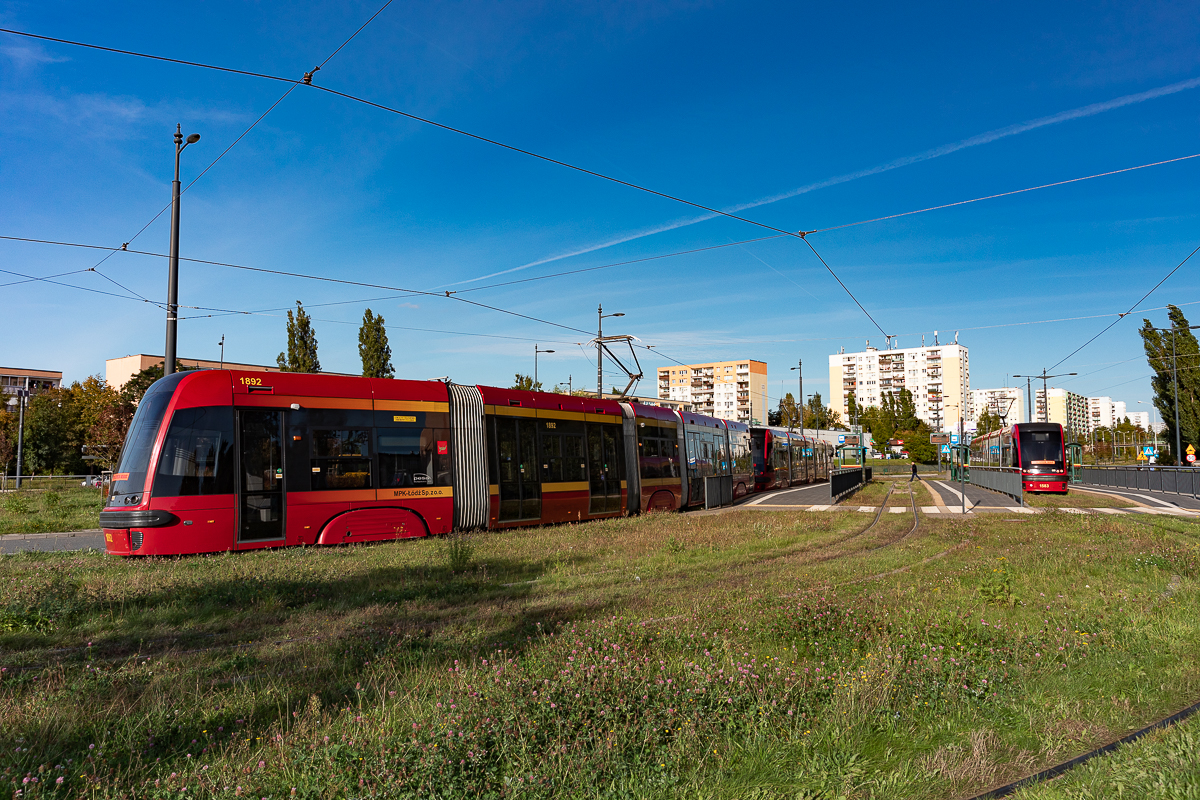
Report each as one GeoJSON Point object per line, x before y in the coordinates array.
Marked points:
{"type": "Point", "coordinates": [618, 314]}
{"type": "Point", "coordinates": [195, 137]}
{"type": "Point", "coordinates": [547, 351]}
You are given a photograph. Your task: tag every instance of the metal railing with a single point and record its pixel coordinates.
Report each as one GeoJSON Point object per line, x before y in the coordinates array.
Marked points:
{"type": "Point", "coordinates": [56, 482]}
{"type": "Point", "coordinates": [846, 480]}
{"type": "Point", "coordinates": [1175, 480]}
{"type": "Point", "coordinates": [1005, 480]}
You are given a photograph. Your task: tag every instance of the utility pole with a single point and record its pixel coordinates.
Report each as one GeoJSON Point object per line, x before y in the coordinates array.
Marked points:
{"type": "Point", "coordinates": [173, 265]}
{"type": "Point", "coordinates": [799, 370]}
{"type": "Point", "coordinates": [22, 398]}
{"type": "Point", "coordinates": [1045, 391]}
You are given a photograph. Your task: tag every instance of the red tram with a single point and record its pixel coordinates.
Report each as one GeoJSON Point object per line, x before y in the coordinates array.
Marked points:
{"type": "Point", "coordinates": [219, 460]}
{"type": "Point", "coordinates": [1037, 448]}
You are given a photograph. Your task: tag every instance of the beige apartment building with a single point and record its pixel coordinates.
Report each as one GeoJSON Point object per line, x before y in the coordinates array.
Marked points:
{"type": "Point", "coordinates": [735, 390]}
{"type": "Point", "coordinates": [939, 377]}
{"type": "Point", "coordinates": [118, 371]}
{"type": "Point", "coordinates": [1064, 407]}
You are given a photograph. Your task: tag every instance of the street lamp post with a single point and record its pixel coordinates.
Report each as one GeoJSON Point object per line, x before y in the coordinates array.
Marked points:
{"type": "Point", "coordinates": [600, 316]}
{"type": "Point", "coordinates": [535, 374]}
{"type": "Point", "coordinates": [799, 370]}
{"type": "Point", "coordinates": [222, 344]}
{"type": "Point", "coordinates": [20, 400]}
{"type": "Point", "coordinates": [173, 268]}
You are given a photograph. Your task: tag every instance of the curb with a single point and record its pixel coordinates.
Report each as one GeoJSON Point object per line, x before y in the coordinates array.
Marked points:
{"type": "Point", "coordinates": [58, 535]}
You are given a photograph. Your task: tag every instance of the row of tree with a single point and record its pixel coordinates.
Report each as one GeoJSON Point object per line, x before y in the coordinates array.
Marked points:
{"type": "Point", "coordinates": [301, 354]}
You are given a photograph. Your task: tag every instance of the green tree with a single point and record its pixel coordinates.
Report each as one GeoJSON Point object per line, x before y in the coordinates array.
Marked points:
{"type": "Point", "coordinates": [853, 411]}
{"type": "Point", "coordinates": [987, 423]}
{"type": "Point", "coordinates": [53, 434]}
{"type": "Point", "coordinates": [136, 387]}
{"type": "Point", "coordinates": [526, 382]}
{"type": "Point", "coordinates": [1157, 345]}
{"type": "Point", "coordinates": [301, 353]}
{"type": "Point", "coordinates": [789, 413]}
{"type": "Point", "coordinates": [8, 441]}
{"type": "Point", "coordinates": [819, 415]}
{"type": "Point", "coordinates": [373, 348]}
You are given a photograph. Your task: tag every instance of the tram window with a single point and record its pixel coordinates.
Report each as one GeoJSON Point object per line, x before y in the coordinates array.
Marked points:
{"type": "Point", "coordinates": [413, 457]}
{"type": "Point", "coordinates": [341, 459]}
{"type": "Point", "coordinates": [197, 456]}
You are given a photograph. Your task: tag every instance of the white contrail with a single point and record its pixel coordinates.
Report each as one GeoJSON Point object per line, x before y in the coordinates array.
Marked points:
{"type": "Point", "coordinates": [936, 152]}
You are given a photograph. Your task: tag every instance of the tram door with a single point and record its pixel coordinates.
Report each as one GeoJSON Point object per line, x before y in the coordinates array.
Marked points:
{"type": "Point", "coordinates": [520, 477]}
{"type": "Point", "coordinates": [605, 457]}
{"type": "Point", "coordinates": [261, 491]}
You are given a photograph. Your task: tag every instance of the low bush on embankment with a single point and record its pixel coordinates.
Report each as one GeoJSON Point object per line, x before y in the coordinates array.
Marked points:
{"type": "Point", "coordinates": [745, 654]}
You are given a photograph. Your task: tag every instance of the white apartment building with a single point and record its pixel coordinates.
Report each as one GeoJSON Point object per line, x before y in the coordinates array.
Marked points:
{"type": "Point", "coordinates": [938, 376]}
{"type": "Point", "coordinates": [1066, 408]}
{"type": "Point", "coordinates": [1104, 412]}
{"type": "Point", "coordinates": [734, 390]}
{"type": "Point", "coordinates": [1008, 402]}
{"type": "Point", "coordinates": [1142, 420]}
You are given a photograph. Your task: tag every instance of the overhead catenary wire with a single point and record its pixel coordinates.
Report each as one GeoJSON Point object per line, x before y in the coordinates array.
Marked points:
{"type": "Point", "coordinates": [307, 81]}
{"type": "Point", "coordinates": [1131, 309]}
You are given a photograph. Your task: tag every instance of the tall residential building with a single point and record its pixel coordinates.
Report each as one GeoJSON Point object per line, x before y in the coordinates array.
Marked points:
{"type": "Point", "coordinates": [734, 390]}
{"type": "Point", "coordinates": [1064, 407]}
{"type": "Point", "coordinates": [938, 376]}
{"type": "Point", "coordinates": [1141, 419]}
{"type": "Point", "coordinates": [1008, 402]}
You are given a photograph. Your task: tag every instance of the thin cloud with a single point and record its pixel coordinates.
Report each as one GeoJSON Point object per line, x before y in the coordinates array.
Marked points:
{"type": "Point", "coordinates": [25, 56]}
{"type": "Point", "coordinates": [928, 155]}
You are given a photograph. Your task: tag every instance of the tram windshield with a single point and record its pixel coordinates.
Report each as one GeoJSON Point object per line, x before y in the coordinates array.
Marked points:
{"type": "Point", "coordinates": [130, 477]}
{"type": "Point", "coordinates": [1041, 451]}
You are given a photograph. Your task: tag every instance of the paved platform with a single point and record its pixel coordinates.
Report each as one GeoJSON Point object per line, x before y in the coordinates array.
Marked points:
{"type": "Point", "coordinates": [796, 497]}
{"type": "Point", "coordinates": [51, 542]}
{"type": "Point", "coordinates": [1156, 499]}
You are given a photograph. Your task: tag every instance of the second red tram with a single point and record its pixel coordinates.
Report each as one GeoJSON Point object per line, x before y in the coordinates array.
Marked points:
{"type": "Point", "coordinates": [1038, 449]}
{"type": "Point", "coordinates": [219, 460]}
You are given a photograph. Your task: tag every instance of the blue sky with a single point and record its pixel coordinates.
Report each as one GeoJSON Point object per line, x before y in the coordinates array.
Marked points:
{"type": "Point", "coordinates": [874, 109]}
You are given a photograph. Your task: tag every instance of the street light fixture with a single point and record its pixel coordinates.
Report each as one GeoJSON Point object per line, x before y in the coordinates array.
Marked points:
{"type": "Point", "coordinates": [535, 355]}
{"type": "Point", "coordinates": [1175, 380]}
{"type": "Point", "coordinates": [173, 268]}
{"type": "Point", "coordinates": [600, 317]}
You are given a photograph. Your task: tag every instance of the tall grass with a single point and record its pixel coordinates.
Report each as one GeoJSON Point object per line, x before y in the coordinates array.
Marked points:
{"type": "Point", "coordinates": [746, 654]}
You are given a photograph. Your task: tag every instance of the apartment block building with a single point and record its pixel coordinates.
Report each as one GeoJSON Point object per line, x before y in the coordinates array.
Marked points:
{"type": "Point", "coordinates": [735, 390]}
{"type": "Point", "coordinates": [939, 377]}
{"type": "Point", "coordinates": [1104, 412]}
{"type": "Point", "coordinates": [1064, 407]}
{"type": "Point", "coordinates": [1008, 402]}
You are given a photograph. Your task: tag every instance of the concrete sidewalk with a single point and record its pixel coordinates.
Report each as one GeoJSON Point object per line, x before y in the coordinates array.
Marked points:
{"type": "Point", "coordinates": [66, 541]}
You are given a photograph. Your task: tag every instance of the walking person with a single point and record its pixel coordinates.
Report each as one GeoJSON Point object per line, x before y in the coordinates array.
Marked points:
{"type": "Point", "coordinates": [913, 475]}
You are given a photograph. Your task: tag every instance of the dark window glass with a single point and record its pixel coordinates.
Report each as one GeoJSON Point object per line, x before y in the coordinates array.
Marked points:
{"type": "Point", "coordinates": [1041, 451]}
{"type": "Point", "coordinates": [552, 467]}
{"type": "Point", "coordinates": [341, 459]}
{"type": "Point", "coordinates": [197, 455]}
{"type": "Point", "coordinates": [574, 458]}
{"type": "Point", "coordinates": [139, 442]}
{"type": "Point", "coordinates": [413, 457]}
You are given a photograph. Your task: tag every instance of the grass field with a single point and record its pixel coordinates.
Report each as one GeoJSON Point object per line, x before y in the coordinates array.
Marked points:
{"type": "Point", "coordinates": [738, 655]}
{"type": "Point", "coordinates": [1076, 499]}
{"type": "Point", "coordinates": [73, 509]}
